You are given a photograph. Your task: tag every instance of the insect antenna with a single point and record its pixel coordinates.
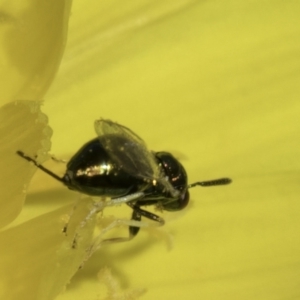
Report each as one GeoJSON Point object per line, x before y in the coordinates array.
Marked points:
{"type": "Point", "coordinates": [28, 158]}
{"type": "Point", "coordinates": [220, 181]}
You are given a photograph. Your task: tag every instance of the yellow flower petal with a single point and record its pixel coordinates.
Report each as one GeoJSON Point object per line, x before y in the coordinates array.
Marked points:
{"type": "Point", "coordinates": [23, 128]}
{"type": "Point", "coordinates": [38, 259]}
{"type": "Point", "coordinates": [32, 35]}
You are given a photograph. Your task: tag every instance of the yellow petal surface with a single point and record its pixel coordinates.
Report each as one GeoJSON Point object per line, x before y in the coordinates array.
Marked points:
{"type": "Point", "coordinates": [217, 83]}
{"type": "Point", "coordinates": [23, 128]}
{"type": "Point", "coordinates": [32, 40]}
{"type": "Point", "coordinates": [37, 258]}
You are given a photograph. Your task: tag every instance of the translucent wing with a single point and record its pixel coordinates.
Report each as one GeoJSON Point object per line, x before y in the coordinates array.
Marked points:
{"type": "Point", "coordinates": [128, 150]}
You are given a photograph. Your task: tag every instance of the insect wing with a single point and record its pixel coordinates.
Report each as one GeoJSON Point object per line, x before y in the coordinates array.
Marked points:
{"type": "Point", "coordinates": [127, 149]}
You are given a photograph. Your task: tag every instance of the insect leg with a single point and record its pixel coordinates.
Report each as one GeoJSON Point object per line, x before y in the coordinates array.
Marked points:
{"type": "Point", "coordinates": [134, 226]}
{"type": "Point", "coordinates": [125, 199]}
{"type": "Point", "coordinates": [133, 230]}
{"type": "Point", "coordinates": [137, 216]}
{"type": "Point", "coordinates": [99, 206]}
{"type": "Point", "coordinates": [100, 241]}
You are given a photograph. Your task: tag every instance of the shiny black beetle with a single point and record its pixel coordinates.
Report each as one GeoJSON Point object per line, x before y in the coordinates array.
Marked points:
{"type": "Point", "coordinates": [117, 164]}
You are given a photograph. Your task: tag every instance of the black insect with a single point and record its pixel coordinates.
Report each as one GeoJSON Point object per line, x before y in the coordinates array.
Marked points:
{"type": "Point", "coordinates": [117, 164]}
